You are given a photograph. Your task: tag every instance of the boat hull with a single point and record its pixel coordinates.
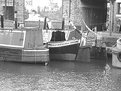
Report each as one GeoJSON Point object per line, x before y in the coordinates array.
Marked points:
{"type": "Point", "coordinates": [66, 50]}
{"type": "Point", "coordinates": [35, 56]}
{"type": "Point", "coordinates": [25, 45]}
{"type": "Point", "coordinates": [21, 55]}
{"type": "Point", "coordinates": [66, 56]}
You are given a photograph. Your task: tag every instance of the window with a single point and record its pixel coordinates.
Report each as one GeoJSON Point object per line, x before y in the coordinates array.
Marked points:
{"type": "Point", "coordinates": [119, 8]}
{"type": "Point", "coordinates": [9, 12]}
{"type": "Point", "coordinates": [7, 8]}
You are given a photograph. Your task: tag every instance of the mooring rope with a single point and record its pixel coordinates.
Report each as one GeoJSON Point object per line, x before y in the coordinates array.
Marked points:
{"type": "Point", "coordinates": [89, 28]}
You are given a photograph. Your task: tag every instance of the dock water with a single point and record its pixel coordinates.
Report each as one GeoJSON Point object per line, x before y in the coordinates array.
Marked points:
{"type": "Point", "coordinates": [59, 76]}
{"type": "Point", "coordinates": [95, 75]}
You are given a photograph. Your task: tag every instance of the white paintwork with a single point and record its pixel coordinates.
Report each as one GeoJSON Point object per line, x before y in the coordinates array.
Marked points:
{"type": "Point", "coordinates": [63, 43]}
{"type": "Point", "coordinates": [6, 45]}
{"type": "Point", "coordinates": [37, 50]}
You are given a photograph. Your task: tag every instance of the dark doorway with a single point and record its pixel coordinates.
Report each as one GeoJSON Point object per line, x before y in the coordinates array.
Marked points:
{"type": "Point", "coordinates": [9, 12]}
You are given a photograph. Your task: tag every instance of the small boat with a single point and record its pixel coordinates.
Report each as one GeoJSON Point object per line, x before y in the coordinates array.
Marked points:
{"type": "Point", "coordinates": [23, 45]}
{"type": "Point", "coordinates": [60, 47]}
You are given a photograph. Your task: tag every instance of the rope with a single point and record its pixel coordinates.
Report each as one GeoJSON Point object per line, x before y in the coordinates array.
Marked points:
{"type": "Point", "coordinates": [85, 26]}
{"type": "Point", "coordinates": [73, 25]}
{"type": "Point", "coordinates": [89, 28]}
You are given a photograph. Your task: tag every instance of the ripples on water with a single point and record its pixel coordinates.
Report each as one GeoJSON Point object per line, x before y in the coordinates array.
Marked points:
{"type": "Point", "coordinates": [59, 76]}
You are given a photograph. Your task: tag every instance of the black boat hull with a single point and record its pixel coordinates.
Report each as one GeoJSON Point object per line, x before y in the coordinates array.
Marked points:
{"type": "Point", "coordinates": [66, 50]}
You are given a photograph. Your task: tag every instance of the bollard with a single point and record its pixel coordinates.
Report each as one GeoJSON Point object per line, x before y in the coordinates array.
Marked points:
{"type": "Point", "coordinates": [63, 23]}
{"type": "Point", "coordinates": [16, 25]}
{"type": "Point", "coordinates": [2, 21]}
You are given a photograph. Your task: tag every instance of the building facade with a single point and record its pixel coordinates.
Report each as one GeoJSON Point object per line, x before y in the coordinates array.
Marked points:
{"type": "Point", "coordinates": [93, 12]}
{"type": "Point", "coordinates": [117, 16]}
{"type": "Point", "coordinates": [12, 9]}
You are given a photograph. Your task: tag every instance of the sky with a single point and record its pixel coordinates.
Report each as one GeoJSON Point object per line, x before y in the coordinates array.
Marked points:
{"type": "Point", "coordinates": [40, 3]}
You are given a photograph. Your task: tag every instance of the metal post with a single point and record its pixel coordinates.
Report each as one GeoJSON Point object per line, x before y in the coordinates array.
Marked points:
{"type": "Point", "coordinates": [16, 25]}
{"type": "Point", "coordinates": [2, 21]}
{"type": "Point", "coordinates": [63, 24]}
{"type": "Point", "coordinates": [45, 23]}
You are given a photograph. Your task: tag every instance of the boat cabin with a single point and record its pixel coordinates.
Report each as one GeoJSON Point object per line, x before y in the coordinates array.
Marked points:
{"type": "Point", "coordinates": [25, 45]}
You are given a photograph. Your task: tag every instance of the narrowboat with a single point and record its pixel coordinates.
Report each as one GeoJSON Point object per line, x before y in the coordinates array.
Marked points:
{"type": "Point", "coordinates": [23, 45]}
{"type": "Point", "coordinates": [61, 45]}
{"type": "Point", "coordinates": [64, 50]}
{"type": "Point", "coordinates": [70, 44]}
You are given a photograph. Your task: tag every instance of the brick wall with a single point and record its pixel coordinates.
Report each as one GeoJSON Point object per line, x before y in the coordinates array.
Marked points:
{"type": "Point", "coordinates": [19, 7]}
{"type": "Point", "coordinates": [73, 11]}
{"type": "Point", "coordinates": [93, 12]}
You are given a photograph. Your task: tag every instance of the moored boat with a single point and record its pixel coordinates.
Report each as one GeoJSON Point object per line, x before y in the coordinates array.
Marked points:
{"type": "Point", "coordinates": [61, 46]}
{"type": "Point", "coordinates": [64, 50]}
{"type": "Point", "coordinates": [72, 44]}
{"type": "Point", "coordinates": [24, 45]}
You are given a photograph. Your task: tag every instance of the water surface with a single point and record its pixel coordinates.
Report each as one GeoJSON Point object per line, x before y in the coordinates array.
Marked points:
{"type": "Point", "coordinates": [59, 76]}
